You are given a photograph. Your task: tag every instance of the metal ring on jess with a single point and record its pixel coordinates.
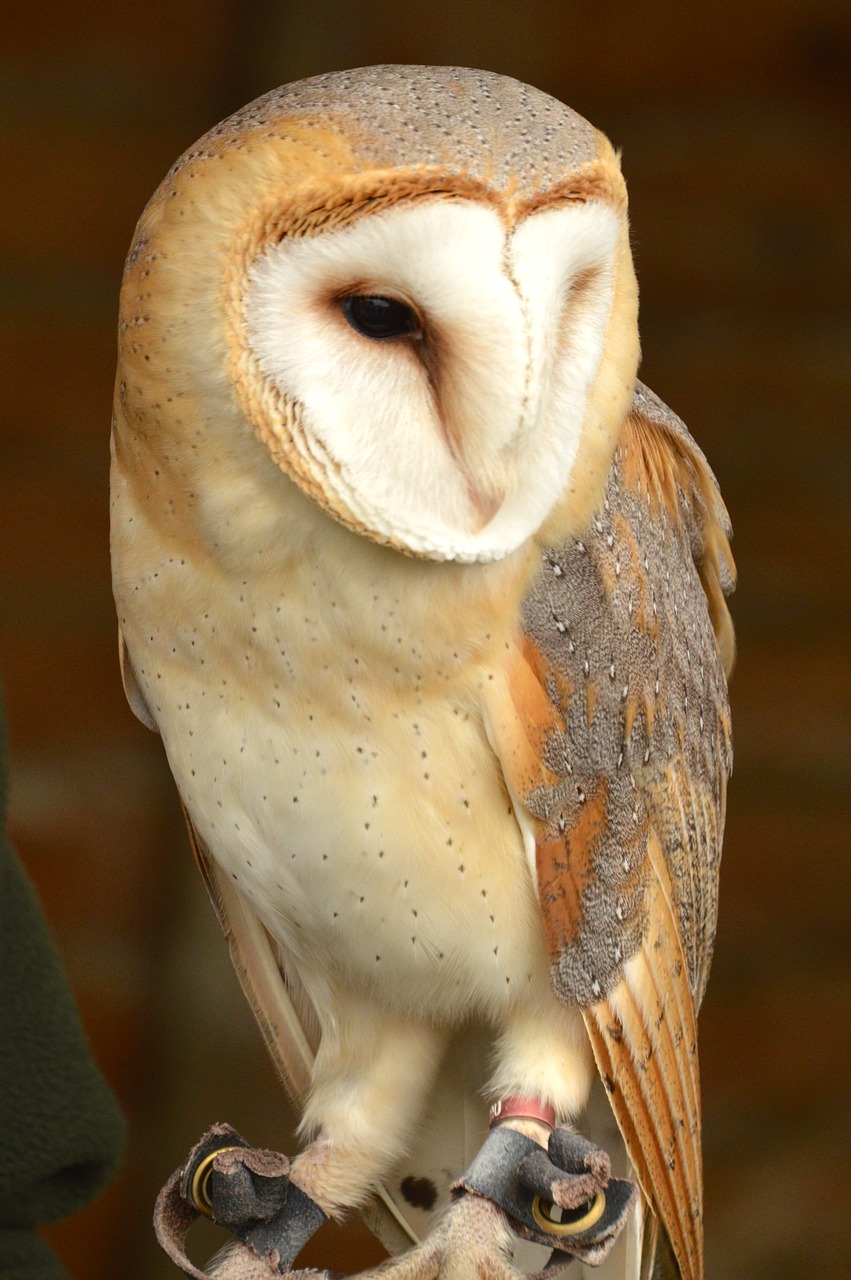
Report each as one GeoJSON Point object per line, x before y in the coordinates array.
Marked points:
{"type": "Point", "coordinates": [574, 1226]}
{"type": "Point", "coordinates": [199, 1189]}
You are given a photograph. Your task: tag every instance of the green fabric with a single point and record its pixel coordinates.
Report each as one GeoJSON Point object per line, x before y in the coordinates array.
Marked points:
{"type": "Point", "coordinates": [60, 1128]}
{"type": "Point", "coordinates": [25, 1256]}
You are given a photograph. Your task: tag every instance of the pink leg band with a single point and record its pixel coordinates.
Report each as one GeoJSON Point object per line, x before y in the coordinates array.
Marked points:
{"type": "Point", "coordinates": [513, 1106]}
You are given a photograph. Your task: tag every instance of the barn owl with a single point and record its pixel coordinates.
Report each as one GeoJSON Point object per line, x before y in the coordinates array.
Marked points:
{"type": "Point", "coordinates": [424, 593]}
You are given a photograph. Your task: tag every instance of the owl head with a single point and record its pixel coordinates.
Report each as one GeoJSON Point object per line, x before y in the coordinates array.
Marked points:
{"type": "Point", "coordinates": [405, 292]}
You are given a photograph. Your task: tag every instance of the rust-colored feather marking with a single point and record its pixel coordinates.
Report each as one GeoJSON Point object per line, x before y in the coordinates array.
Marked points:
{"type": "Point", "coordinates": [572, 892]}
{"type": "Point", "coordinates": [522, 718]}
{"type": "Point", "coordinates": [626, 637]}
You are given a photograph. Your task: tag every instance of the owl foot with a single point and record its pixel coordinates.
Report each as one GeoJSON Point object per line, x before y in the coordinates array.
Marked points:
{"type": "Point", "coordinates": [473, 1241]}
{"type": "Point", "coordinates": [563, 1198]}
{"type": "Point", "coordinates": [247, 1190]}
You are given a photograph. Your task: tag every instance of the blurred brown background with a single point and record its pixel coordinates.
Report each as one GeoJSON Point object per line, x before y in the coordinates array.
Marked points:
{"type": "Point", "coordinates": [733, 119]}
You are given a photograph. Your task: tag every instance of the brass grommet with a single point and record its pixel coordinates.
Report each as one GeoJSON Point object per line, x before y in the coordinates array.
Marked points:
{"type": "Point", "coordinates": [198, 1191]}
{"type": "Point", "coordinates": [573, 1228]}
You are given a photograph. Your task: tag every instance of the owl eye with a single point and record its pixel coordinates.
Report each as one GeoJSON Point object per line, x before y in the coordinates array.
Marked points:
{"type": "Point", "coordinates": [379, 318]}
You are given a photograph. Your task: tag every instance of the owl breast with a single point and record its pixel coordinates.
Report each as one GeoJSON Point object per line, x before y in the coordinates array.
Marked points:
{"type": "Point", "coordinates": [348, 789]}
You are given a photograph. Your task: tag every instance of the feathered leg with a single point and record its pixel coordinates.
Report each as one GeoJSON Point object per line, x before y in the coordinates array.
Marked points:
{"type": "Point", "coordinates": [372, 1069]}
{"type": "Point", "coordinates": [372, 1072]}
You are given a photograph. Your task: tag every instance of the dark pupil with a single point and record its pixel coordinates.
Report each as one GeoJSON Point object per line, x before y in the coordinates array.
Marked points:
{"type": "Point", "coordinates": [377, 317]}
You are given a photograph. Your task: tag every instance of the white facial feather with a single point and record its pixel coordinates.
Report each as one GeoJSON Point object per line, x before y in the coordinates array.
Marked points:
{"type": "Point", "coordinates": [418, 448]}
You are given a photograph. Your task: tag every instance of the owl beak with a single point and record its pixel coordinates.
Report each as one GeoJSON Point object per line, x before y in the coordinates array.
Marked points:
{"type": "Point", "coordinates": [487, 503]}
{"type": "Point", "coordinates": [486, 493]}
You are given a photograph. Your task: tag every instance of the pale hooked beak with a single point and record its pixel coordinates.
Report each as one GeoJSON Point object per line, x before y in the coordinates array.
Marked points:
{"type": "Point", "coordinates": [487, 504]}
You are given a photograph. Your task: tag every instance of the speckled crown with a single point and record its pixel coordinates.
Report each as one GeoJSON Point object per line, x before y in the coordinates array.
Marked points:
{"type": "Point", "coordinates": [464, 120]}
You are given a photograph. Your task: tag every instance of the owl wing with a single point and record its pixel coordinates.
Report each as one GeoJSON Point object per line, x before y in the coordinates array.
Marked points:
{"type": "Point", "coordinates": [615, 742]}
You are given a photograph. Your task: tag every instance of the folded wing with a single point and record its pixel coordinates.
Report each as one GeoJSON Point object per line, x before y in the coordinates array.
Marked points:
{"type": "Point", "coordinates": [618, 748]}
